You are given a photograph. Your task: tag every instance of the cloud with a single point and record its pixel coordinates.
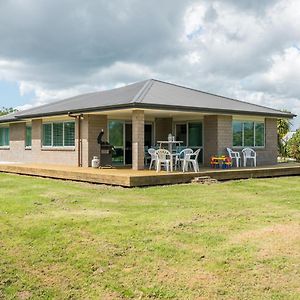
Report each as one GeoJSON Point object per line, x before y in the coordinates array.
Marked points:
{"type": "Point", "coordinates": [237, 48]}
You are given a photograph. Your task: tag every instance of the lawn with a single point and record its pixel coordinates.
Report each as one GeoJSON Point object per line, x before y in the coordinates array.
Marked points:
{"type": "Point", "coordinates": [232, 240]}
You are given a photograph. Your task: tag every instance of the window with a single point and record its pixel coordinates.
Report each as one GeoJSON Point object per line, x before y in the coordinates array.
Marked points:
{"type": "Point", "coordinates": [4, 136]}
{"type": "Point", "coordinates": [59, 134]}
{"type": "Point", "coordinates": [259, 134]}
{"type": "Point", "coordinates": [237, 132]}
{"type": "Point", "coordinates": [28, 137]}
{"type": "Point", "coordinates": [47, 134]}
{"type": "Point", "coordinates": [248, 134]}
{"type": "Point", "coordinates": [116, 138]}
{"type": "Point", "coordinates": [69, 135]}
{"type": "Point", "coordinates": [195, 134]}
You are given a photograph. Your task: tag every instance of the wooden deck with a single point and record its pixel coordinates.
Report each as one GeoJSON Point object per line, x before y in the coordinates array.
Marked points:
{"type": "Point", "coordinates": [131, 178]}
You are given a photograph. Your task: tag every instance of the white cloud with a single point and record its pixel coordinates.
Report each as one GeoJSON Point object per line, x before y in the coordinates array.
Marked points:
{"type": "Point", "coordinates": [237, 48]}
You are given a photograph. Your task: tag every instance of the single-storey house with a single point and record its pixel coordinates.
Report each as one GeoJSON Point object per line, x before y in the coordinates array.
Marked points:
{"type": "Point", "coordinates": [134, 116]}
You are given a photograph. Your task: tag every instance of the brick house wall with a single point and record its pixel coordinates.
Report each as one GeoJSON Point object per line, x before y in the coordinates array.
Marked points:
{"type": "Point", "coordinates": [91, 126]}
{"type": "Point", "coordinates": [217, 136]}
{"type": "Point", "coordinates": [18, 153]}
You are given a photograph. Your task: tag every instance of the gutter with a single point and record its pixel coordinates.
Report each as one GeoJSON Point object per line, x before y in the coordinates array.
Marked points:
{"type": "Point", "coordinates": [164, 107]}
{"type": "Point", "coordinates": [156, 106]}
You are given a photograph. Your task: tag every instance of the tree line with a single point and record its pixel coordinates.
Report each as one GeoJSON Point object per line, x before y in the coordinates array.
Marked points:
{"type": "Point", "coordinates": [290, 148]}
{"type": "Point", "coordinates": [5, 110]}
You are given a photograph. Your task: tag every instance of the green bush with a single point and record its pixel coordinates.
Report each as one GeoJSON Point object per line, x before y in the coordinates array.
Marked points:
{"type": "Point", "coordinates": [293, 146]}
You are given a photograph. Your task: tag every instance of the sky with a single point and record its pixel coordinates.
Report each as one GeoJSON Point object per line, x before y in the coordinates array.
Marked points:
{"type": "Point", "coordinates": [248, 50]}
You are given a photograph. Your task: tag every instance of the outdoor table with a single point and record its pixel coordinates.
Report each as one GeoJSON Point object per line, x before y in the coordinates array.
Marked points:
{"type": "Point", "coordinates": [170, 144]}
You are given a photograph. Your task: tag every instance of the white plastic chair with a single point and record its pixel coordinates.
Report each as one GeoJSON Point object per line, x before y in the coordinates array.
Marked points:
{"type": "Point", "coordinates": [153, 156]}
{"type": "Point", "coordinates": [249, 154]}
{"type": "Point", "coordinates": [181, 156]}
{"type": "Point", "coordinates": [163, 157]}
{"type": "Point", "coordinates": [191, 159]}
{"type": "Point", "coordinates": [234, 155]}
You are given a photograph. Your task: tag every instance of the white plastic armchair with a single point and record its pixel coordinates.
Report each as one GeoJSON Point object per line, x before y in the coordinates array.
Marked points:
{"type": "Point", "coordinates": [249, 154]}
{"type": "Point", "coordinates": [191, 159]}
{"type": "Point", "coordinates": [153, 156]}
{"type": "Point", "coordinates": [163, 158]}
{"type": "Point", "coordinates": [234, 155]}
{"type": "Point", "coordinates": [182, 156]}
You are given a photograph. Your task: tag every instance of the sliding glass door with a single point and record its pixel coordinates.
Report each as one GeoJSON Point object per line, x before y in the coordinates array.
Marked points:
{"type": "Point", "coordinates": [120, 136]}
{"type": "Point", "coordinates": [116, 138]}
{"type": "Point", "coordinates": [191, 133]}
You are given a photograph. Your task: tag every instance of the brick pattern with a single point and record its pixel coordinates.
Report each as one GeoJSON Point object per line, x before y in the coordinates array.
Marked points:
{"type": "Point", "coordinates": [217, 135]}
{"type": "Point", "coordinates": [163, 126]}
{"type": "Point", "coordinates": [90, 128]}
{"type": "Point", "coordinates": [268, 155]}
{"type": "Point", "coordinates": [210, 128]}
{"type": "Point", "coordinates": [138, 121]}
{"type": "Point", "coordinates": [224, 134]}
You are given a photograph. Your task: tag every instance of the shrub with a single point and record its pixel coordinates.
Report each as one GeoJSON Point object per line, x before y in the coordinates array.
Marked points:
{"type": "Point", "coordinates": [293, 146]}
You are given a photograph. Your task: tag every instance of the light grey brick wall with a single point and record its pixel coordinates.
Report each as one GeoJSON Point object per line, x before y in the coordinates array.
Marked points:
{"type": "Point", "coordinates": [18, 153]}
{"type": "Point", "coordinates": [91, 127]}
{"type": "Point", "coordinates": [217, 135]}
{"type": "Point", "coordinates": [138, 122]}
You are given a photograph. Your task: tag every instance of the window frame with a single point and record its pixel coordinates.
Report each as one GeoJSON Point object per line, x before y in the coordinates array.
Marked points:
{"type": "Point", "coordinates": [8, 145]}
{"type": "Point", "coordinates": [254, 134]}
{"type": "Point", "coordinates": [63, 147]}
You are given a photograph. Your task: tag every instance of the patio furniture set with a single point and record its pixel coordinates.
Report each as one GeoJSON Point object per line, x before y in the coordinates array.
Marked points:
{"type": "Point", "coordinates": [183, 160]}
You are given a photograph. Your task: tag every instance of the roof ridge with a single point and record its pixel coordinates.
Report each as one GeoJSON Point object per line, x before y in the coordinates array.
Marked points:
{"type": "Point", "coordinates": [142, 92]}
{"type": "Point", "coordinates": [224, 97]}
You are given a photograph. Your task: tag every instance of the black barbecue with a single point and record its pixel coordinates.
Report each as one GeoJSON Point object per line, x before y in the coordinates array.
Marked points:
{"type": "Point", "coordinates": [105, 151]}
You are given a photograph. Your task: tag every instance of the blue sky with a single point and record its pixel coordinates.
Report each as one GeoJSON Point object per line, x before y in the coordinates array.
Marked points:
{"type": "Point", "coordinates": [10, 95]}
{"type": "Point", "coordinates": [248, 50]}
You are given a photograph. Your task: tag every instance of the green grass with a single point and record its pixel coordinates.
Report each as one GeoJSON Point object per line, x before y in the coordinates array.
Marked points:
{"type": "Point", "coordinates": [234, 240]}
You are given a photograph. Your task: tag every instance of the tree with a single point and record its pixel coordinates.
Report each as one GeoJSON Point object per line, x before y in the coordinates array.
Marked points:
{"type": "Point", "coordinates": [293, 146]}
{"type": "Point", "coordinates": [283, 127]}
{"type": "Point", "coordinates": [5, 111]}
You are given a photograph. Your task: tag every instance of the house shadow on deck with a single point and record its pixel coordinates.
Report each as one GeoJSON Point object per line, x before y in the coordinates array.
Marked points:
{"type": "Point", "coordinates": [130, 178]}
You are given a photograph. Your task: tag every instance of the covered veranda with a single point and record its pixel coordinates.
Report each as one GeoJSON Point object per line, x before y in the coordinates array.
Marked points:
{"type": "Point", "coordinates": [133, 132]}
